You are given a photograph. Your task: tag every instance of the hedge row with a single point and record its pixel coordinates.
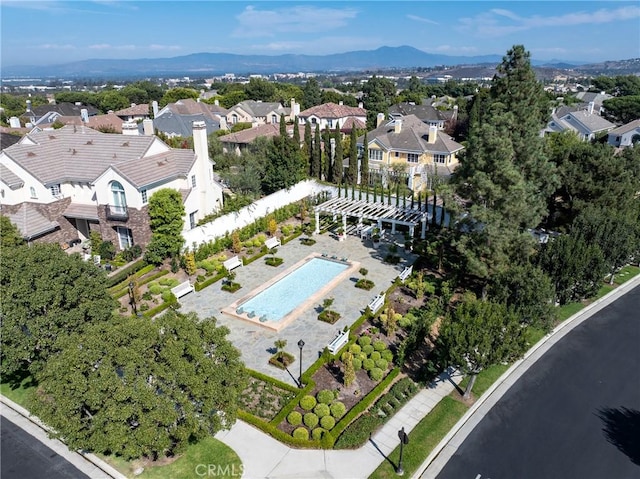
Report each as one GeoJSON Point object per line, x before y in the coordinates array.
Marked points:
{"type": "Point", "coordinates": [275, 382]}
{"type": "Point", "coordinates": [123, 275]}
{"type": "Point", "coordinates": [146, 280]}
{"type": "Point", "coordinates": [281, 436]}
{"type": "Point", "coordinates": [158, 309]}
{"type": "Point", "coordinates": [203, 284]}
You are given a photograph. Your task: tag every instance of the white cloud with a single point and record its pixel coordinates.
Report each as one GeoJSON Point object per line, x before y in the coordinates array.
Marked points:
{"type": "Point", "coordinates": [453, 49]}
{"type": "Point", "coordinates": [499, 22]}
{"type": "Point", "coordinates": [254, 22]}
{"type": "Point", "coordinates": [421, 19]}
{"type": "Point", "coordinates": [100, 46]}
{"type": "Point", "coordinates": [56, 46]}
{"type": "Point", "coordinates": [172, 48]}
{"type": "Point", "coordinates": [318, 46]}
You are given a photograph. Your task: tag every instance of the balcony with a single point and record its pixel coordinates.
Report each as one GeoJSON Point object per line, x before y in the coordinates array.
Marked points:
{"type": "Point", "coordinates": [117, 213]}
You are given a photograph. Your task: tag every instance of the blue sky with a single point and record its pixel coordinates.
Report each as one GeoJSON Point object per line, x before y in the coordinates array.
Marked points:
{"type": "Point", "coordinates": [51, 32]}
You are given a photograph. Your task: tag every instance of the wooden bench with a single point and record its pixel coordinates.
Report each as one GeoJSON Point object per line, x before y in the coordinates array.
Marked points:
{"type": "Point", "coordinates": [232, 263]}
{"type": "Point", "coordinates": [182, 289]}
{"type": "Point", "coordinates": [339, 341]}
{"type": "Point", "coordinates": [405, 273]}
{"type": "Point", "coordinates": [376, 303]}
{"type": "Point", "coordinates": [272, 243]}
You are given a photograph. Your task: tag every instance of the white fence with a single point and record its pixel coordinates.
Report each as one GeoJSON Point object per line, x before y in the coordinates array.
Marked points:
{"type": "Point", "coordinates": [247, 215]}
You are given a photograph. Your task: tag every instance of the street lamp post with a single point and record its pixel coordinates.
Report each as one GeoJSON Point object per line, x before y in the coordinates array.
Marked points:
{"type": "Point", "coordinates": [132, 297]}
{"type": "Point", "coordinates": [404, 439]}
{"type": "Point", "coordinates": [300, 345]}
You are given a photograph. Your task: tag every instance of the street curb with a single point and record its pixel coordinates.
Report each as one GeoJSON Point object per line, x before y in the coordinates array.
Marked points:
{"type": "Point", "coordinates": [96, 461]}
{"type": "Point", "coordinates": [555, 335]}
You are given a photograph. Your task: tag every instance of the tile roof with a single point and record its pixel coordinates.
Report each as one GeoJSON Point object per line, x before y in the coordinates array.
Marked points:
{"type": "Point", "coordinates": [268, 130]}
{"type": "Point", "coordinates": [8, 177]}
{"type": "Point", "coordinates": [413, 137]}
{"type": "Point", "coordinates": [593, 122]}
{"type": "Point", "coordinates": [424, 112]}
{"type": "Point", "coordinates": [31, 222]}
{"type": "Point", "coordinates": [332, 110]}
{"type": "Point", "coordinates": [260, 108]}
{"type": "Point", "coordinates": [82, 154]}
{"type": "Point", "coordinates": [134, 110]}
{"type": "Point", "coordinates": [77, 210]}
{"type": "Point", "coordinates": [353, 122]}
{"type": "Point", "coordinates": [97, 121]}
{"type": "Point", "coordinates": [179, 124]}
{"type": "Point", "coordinates": [64, 109]}
{"type": "Point", "coordinates": [621, 130]}
{"type": "Point", "coordinates": [7, 140]}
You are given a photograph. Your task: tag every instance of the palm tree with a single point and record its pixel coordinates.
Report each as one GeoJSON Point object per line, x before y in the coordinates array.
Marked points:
{"type": "Point", "coordinates": [280, 344]}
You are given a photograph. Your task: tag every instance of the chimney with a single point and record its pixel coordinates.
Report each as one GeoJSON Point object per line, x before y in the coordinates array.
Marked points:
{"type": "Point", "coordinates": [340, 103]}
{"type": "Point", "coordinates": [292, 113]}
{"type": "Point", "coordinates": [130, 128]}
{"type": "Point", "coordinates": [203, 169]}
{"type": "Point", "coordinates": [216, 102]}
{"type": "Point", "coordinates": [295, 110]}
{"type": "Point", "coordinates": [591, 105]}
{"type": "Point", "coordinates": [455, 112]}
{"type": "Point", "coordinates": [433, 134]}
{"type": "Point", "coordinates": [360, 105]}
{"type": "Point", "coordinates": [223, 123]}
{"type": "Point", "coordinates": [28, 105]}
{"type": "Point", "coordinates": [379, 119]}
{"type": "Point", "coordinates": [78, 103]}
{"type": "Point", "coordinates": [397, 126]}
{"type": "Point", "coordinates": [154, 105]}
{"type": "Point", "coordinates": [132, 105]}
{"type": "Point", "coordinates": [147, 126]}
{"type": "Point", "coordinates": [84, 115]}
{"type": "Point", "coordinates": [14, 122]}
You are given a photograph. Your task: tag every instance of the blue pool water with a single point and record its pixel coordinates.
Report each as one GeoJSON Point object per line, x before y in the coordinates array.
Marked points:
{"type": "Point", "coordinates": [288, 293]}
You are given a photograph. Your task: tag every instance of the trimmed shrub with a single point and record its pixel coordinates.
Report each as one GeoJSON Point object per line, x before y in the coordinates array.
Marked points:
{"type": "Point", "coordinates": [376, 374]}
{"type": "Point", "coordinates": [368, 364]}
{"type": "Point", "coordinates": [317, 433]}
{"type": "Point", "coordinates": [327, 422]}
{"type": "Point", "coordinates": [357, 363]}
{"type": "Point", "coordinates": [379, 345]}
{"type": "Point", "coordinates": [382, 364]}
{"type": "Point", "coordinates": [387, 355]}
{"type": "Point", "coordinates": [325, 396]}
{"type": "Point", "coordinates": [301, 433]}
{"type": "Point", "coordinates": [310, 420]}
{"type": "Point", "coordinates": [155, 288]}
{"type": "Point", "coordinates": [364, 341]}
{"type": "Point", "coordinates": [375, 355]}
{"type": "Point", "coordinates": [321, 410]}
{"type": "Point", "coordinates": [355, 349]}
{"type": "Point", "coordinates": [338, 409]}
{"type": "Point", "coordinates": [358, 431]}
{"type": "Point", "coordinates": [368, 349]}
{"type": "Point", "coordinates": [294, 418]}
{"type": "Point", "coordinates": [308, 402]}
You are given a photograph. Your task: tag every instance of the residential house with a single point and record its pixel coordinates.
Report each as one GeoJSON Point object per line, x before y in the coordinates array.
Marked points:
{"type": "Point", "coordinates": [332, 116]}
{"type": "Point", "coordinates": [625, 135]}
{"type": "Point", "coordinates": [425, 112]}
{"type": "Point", "coordinates": [239, 141]}
{"type": "Point", "coordinates": [585, 123]}
{"type": "Point", "coordinates": [60, 185]}
{"type": "Point", "coordinates": [109, 123]}
{"type": "Point", "coordinates": [47, 114]}
{"type": "Point", "coordinates": [176, 119]}
{"type": "Point", "coordinates": [409, 145]}
{"type": "Point", "coordinates": [135, 112]}
{"type": "Point", "coordinates": [256, 113]}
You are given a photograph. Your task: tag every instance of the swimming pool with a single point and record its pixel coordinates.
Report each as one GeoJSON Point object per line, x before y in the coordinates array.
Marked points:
{"type": "Point", "coordinates": [277, 302]}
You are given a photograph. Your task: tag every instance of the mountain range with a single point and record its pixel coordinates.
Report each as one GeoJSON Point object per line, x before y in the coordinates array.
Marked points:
{"type": "Point", "coordinates": [211, 64]}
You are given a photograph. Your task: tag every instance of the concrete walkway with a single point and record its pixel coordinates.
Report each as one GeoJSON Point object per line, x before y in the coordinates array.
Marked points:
{"type": "Point", "coordinates": [263, 457]}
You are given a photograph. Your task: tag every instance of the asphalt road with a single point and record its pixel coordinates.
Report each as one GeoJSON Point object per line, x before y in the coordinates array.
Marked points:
{"type": "Point", "coordinates": [574, 414]}
{"type": "Point", "coordinates": [24, 457]}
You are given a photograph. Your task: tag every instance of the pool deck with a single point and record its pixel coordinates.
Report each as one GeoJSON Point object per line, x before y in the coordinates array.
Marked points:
{"type": "Point", "coordinates": [256, 343]}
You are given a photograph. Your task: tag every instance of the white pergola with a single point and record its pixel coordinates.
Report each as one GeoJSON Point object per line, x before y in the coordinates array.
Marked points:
{"type": "Point", "coordinates": [378, 212]}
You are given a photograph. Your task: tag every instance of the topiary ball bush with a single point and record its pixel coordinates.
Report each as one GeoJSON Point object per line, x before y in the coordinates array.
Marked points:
{"type": "Point", "coordinates": [376, 374]}
{"type": "Point", "coordinates": [327, 422]}
{"type": "Point", "coordinates": [364, 341]}
{"type": "Point", "coordinates": [368, 364]}
{"type": "Point", "coordinates": [338, 409]}
{"type": "Point", "coordinates": [368, 349]}
{"type": "Point", "coordinates": [308, 402]}
{"type": "Point", "coordinates": [321, 410]}
{"type": "Point", "coordinates": [317, 433]}
{"type": "Point", "coordinates": [379, 345]}
{"type": "Point", "coordinates": [357, 363]}
{"type": "Point", "coordinates": [355, 348]}
{"type": "Point", "coordinates": [382, 364]}
{"type": "Point", "coordinates": [375, 355]}
{"type": "Point", "coordinates": [326, 396]}
{"type": "Point", "coordinates": [294, 418]}
{"type": "Point", "coordinates": [310, 420]}
{"type": "Point", "coordinates": [301, 433]}
{"type": "Point", "coordinates": [387, 355]}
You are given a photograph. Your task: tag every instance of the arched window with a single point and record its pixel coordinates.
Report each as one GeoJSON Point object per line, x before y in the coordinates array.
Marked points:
{"type": "Point", "coordinates": [32, 191]}
{"type": "Point", "coordinates": [119, 199]}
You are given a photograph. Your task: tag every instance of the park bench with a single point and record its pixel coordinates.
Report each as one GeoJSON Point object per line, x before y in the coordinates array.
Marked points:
{"type": "Point", "coordinates": [272, 243]}
{"type": "Point", "coordinates": [376, 303]}
{"type": "Point", "coordinates": [182, 289]}
{"type": "Point", "coordinates": [405, 273]}
{"type": "Point", "coordinates": [232, 263]}
{"type": "Point", "coordinates": [339, 341]}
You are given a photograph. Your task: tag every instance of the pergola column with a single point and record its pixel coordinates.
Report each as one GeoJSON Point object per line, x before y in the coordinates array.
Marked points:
{"type": "Point", "coordinates": [344, 223]}
{"type": "Point", "coordinates": [317, 223]}
{"type": "Point", "coordinates": [423, 234]}
{"type": "Point", "coordinates": [393, 227]}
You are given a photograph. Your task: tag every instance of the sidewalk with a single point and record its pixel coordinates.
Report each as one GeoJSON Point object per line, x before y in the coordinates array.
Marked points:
{"type": "Point", "coordinates": [264, 457]}
{"type": "Point", "coordinates": [88, 464]}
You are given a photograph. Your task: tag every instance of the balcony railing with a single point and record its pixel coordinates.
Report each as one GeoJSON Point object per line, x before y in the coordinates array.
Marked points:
{"type": "Point", "coordinates": [117, 213]}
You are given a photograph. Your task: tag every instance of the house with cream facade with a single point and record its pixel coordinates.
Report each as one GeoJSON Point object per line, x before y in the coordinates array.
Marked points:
{"type": "Point", "coordinates": [60, 185]}
{"type": "Point", "coordinates": [410, 146]}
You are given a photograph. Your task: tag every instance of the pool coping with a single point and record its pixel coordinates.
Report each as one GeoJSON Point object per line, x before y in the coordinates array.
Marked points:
{"type": "Point", "coordinates": [232, 309]}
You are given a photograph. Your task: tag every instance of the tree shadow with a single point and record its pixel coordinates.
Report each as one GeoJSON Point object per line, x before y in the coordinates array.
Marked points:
{"type": "Point", "coordinates": [15, 380]}
{"type": "Point", "coordinates": [622, 429]}
{"type": "Point", "coordinates": [394, 465]}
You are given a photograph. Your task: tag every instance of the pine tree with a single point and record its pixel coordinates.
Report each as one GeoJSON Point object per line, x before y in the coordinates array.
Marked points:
{"type": "Point", "coordinates": [349, 371]}
{"type": "Point", "coordinates": [338, 160]}
{"type": "Point", "coordinates": [296, 132]}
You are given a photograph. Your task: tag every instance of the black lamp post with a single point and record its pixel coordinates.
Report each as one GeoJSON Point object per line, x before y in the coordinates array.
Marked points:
{"type": "Point", "coordinates": [404, 439]}
{"type": "Point", "coordinates": [300, 345]}
{"type": "Point", "coordinates": [132, 298]}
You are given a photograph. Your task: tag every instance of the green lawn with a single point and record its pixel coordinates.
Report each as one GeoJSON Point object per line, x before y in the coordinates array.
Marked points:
{"type": "Point", "coordinates": [20, 393]}
{"type": "Point", "coordinates": [423, 438]}
{"type": "Point", "coordinates": [625, 274]}
{"type": "Point", "coordinates": [208, 458]}
{"type": "Point", "coordinates": [568, 310]}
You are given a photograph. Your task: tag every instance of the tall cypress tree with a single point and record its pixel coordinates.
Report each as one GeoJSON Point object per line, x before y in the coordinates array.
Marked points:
{"type": "Point", "coordinates": [364, 166]}
{"type": "Point", "coordinates": [337, 162]}
{"type": "Point", "coordinates": [316, 167]}
{"type": "Point", "coordinates": [308, 146]}
{"type": "Point", "coordinates": [352, 171]}
{"type": "Point", "coordinates": [328, 160]}
{"type": "Point", "coordinates": [296, 132]}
